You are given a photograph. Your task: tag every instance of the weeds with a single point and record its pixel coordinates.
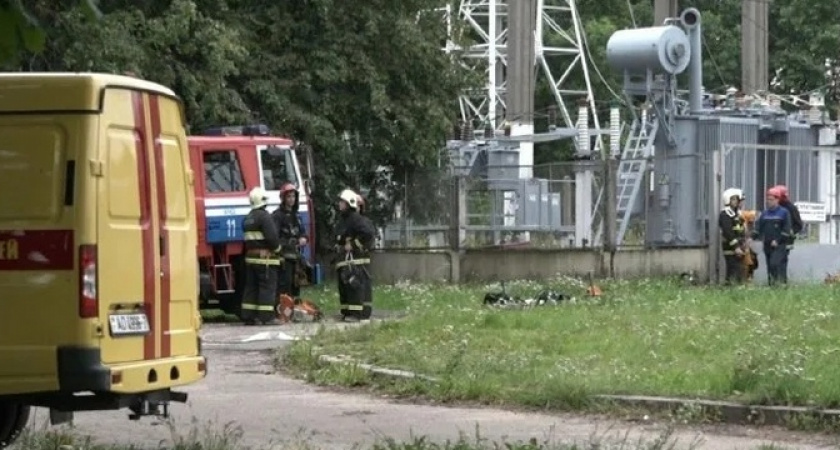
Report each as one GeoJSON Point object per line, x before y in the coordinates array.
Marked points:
{"type": "Point", "coordinates": [209, 436]}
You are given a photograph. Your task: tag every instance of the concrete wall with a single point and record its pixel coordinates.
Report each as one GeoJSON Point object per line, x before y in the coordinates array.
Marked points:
{"type": "Point", "coordinates": [807, 263]}
{"type": "Point", "coordinates": [493, 265]}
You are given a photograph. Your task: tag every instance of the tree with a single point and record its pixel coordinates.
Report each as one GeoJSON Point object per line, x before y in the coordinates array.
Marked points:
{"type": "Point", "coordinates": [20, 31]}
{"type": "Point", "coordinates": [365, 83]}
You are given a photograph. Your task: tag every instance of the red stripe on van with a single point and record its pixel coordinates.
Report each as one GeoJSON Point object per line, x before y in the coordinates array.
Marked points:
{"type": "Point", "coordinates": [36, 250]}
{"type": "Point", "coordinates": [147, 232]}
{"type": "Point", "coordinates": [165, 280]}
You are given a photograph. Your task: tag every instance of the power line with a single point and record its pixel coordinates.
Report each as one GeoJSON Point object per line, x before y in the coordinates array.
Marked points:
{"type": "Point", "coordinates": [712, 59]}
{"type": "Point", "coordinates": [597, 70]}
{"type": "Point", "coordinates": [632, 14]}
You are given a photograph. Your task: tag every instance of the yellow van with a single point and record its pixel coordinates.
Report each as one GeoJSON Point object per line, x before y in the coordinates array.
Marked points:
{"type": "Point", "coordinates": [98, 292]}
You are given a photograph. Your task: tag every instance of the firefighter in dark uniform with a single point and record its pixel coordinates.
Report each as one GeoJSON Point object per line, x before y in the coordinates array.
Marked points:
{"type": "Point", "coordinates": [262, 245]}
{"type": "Point", "coordinates": [289, 227]}
{"type": "Point", "coordinates": [368, 294]}
{"type": "Point", "coordinates": [354, 242]}
{"type": "Point", "coordinates": [733, 240]}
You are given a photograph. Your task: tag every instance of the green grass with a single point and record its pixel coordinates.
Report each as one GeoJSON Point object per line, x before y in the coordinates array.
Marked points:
{"type": "Point", "coordinates": [749, 344]}
{"type": "Point", "coordinates": [326, 297]}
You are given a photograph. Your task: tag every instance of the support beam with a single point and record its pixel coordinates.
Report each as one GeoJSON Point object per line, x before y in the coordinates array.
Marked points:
{"type": "Point", "coordinates": [663, 9]}
{"type": "Point", "coordinates": [521, 76]}
{"type": "Point", "coordinates": [521, 72]}
{"type": "Point", "coordinates": [754, 45]}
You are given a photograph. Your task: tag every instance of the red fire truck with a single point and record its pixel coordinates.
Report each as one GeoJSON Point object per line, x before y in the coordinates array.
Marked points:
{"type": "Point", "coordinates": [229, 162]}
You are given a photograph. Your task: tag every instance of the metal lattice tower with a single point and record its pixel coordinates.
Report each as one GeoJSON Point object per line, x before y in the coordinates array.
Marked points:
{"type": "Point", "coordinates": [558, 47]}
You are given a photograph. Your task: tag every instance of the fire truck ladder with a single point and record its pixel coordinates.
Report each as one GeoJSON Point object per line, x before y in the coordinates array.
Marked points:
{"type": "Point", "coordinates": [224, 270]}
{"type": "Point", "coordinates": [631, 170]}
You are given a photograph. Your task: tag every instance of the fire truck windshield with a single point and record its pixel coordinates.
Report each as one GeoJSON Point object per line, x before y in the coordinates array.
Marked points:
{"type": "Point", "coordinates": [278, 167]}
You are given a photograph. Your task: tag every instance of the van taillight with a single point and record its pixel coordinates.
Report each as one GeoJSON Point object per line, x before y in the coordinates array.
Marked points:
{"type": "Point", "coordinates": [88, 300]}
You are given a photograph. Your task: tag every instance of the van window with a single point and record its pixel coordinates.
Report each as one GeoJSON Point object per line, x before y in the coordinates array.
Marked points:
{"type": "Point", "coordinates": [126, 171]}
{"type": "Point", "coordinates": [32, 158]}
{"type": "Point", "coordinates": [278, 167]}
{"type": "Point", "coordinates": [176, 195]}
{"type": "Point", "coordinates": [222, 172]}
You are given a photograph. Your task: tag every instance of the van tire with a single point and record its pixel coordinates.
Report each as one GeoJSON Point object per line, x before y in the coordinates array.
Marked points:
{"type": "Point", "coordinates": [13, 420]}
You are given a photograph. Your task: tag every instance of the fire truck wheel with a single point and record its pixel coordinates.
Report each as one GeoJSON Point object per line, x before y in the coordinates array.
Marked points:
{"type": "Point", "coordinates": [13, 419]}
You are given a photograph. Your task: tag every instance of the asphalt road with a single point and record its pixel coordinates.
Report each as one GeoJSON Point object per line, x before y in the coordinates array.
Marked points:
{"type": "Point", "coordinates": [274, 411]}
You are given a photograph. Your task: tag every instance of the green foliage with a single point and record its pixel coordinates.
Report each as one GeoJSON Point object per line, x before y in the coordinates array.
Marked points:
{"type": "Point", "coordinates": [21, 32]}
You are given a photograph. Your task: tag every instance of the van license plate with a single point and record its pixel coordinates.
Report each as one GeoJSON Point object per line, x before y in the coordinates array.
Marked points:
{"type": "Point", "coordinates": [129, 324]}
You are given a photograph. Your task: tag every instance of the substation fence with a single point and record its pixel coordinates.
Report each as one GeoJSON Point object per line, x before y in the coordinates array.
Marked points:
{"type": "Point", "coordinates": [503, 206]}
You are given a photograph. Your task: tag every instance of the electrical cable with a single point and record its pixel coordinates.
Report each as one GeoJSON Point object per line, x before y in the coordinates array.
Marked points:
{"type": "Point", "coordinates": [712, 59]}
{"type": "Point", "coordinates": [632, 14]}
{"type": "Point", "coordinates": [617, 97]}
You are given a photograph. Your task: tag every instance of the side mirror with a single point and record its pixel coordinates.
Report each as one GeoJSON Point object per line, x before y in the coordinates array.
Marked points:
{"type": "Point", "coordinates": [309, 185]}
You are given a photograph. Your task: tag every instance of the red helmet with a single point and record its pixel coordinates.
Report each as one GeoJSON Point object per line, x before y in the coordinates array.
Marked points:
{"type": "Point", "coordinates": [286, 188]}
{"type": "Point", "coordinates": [783, 191]}
{"type": "Point", "coordinates": [775, 192]}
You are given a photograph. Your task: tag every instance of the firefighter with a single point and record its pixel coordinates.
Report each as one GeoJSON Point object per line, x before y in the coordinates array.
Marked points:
{"type": "Point", "coordinates": [368, 294]}
{"type": "Point", "coordinates": [733, 240]}
{"type": "Point", "coordinates": [354, 241]}
{"type": "Point", "coordinates": [290, 230]}
{"type": "Point", "coordinates": [262, 245]}
{"type": "Point", "coordinates": [773, 227]}
{"type": "Point", "coordinates": [795, 218]}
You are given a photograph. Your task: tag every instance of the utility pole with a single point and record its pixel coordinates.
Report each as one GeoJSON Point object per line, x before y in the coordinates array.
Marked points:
{"type": "Point", "coordinates": [521, 76]}
{"type": "Point", "coordinates": [663, 9]}
{"type": "Point", "coordinates": [754, 47]}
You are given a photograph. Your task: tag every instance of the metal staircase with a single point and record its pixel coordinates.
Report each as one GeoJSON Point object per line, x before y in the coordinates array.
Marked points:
{"type": "Point", "coordinates": [630, 175]}
{"type": "Point", "coordinates": [631, 169]}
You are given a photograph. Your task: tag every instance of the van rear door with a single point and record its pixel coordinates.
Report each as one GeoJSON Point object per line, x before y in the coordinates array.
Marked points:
{"type": "Point", "coordinates": [178, 235]}
{"type": "Point", "coordinates": [125, 258]}
{"type": "Point", "coordinates": [147, 232]}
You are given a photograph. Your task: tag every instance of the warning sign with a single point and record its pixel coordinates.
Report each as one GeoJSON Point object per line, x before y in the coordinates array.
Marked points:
{"type": "Point", "coordinates": [812, 212]}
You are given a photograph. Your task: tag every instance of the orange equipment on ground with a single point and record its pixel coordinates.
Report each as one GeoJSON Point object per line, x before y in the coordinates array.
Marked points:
{"type": "Point", "coordinates": [291, 310]}
{"type": "Point", "coordinates": [593, 290]}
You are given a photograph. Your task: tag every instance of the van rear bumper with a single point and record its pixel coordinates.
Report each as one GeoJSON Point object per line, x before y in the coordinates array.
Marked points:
{"type": "Point", "coordinates": [81, 369]}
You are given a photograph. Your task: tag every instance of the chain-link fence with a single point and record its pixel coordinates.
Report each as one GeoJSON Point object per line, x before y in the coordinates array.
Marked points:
{"type": "Point", "coordinates": [498, 206]}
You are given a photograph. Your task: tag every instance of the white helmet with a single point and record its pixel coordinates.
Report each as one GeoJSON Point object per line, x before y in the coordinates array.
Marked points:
{"type": "Point", "coordinates": [732, 192]}
{"type": "Point", "coordinates": [258, 197]}
{"type": "Point", "coordinates": [350, 197]}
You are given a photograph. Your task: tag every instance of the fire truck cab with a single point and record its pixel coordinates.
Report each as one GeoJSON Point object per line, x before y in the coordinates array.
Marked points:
{"type": "Point", "coordinates": [230, 161]}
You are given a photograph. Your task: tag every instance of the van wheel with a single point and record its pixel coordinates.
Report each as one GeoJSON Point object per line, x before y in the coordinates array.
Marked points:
{"type": "Point", "coordinates": [13, 419]}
